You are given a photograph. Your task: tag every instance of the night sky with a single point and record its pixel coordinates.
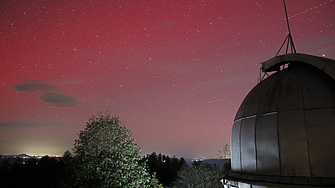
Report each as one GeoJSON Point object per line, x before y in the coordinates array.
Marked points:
{"type": "Point", "coordinates": [174, 71]}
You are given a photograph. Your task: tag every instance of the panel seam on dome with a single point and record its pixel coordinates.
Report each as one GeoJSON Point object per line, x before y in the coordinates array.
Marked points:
{"type": "Point", "coordinates": [306, 134]}
{"type": "Point", "coordinates": [278, 144]}
{"type": "Point", "coordinates": [265, 114]}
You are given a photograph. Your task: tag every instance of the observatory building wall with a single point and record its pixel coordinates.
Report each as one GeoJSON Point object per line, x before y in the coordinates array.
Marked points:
{"type": "Point", "coordinates": [286, 124]}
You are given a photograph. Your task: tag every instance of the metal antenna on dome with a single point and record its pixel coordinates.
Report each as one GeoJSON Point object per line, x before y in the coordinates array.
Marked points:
{"type": "Point", "coordinates": [288, 39]}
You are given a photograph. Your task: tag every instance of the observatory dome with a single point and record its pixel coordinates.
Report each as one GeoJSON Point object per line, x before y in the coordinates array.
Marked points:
{"type": "Point", "coordinates": [284, 130]}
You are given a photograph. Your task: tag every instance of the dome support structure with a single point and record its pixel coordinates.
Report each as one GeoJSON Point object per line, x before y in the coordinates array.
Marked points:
{"type": "Point", "coordinates": [289, 48]}
{"type": "Point", "coordinates": [288, 40]}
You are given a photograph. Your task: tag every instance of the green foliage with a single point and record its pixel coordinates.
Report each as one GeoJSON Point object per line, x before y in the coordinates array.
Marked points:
{"type": "Point", "coordinates": [199, 175]}
{"type": "Point", "coordinates": [154, 182]}
{"type": "Point", "coordinates": [224, 153]}
{"type": "Point", "coordinates": [105, 155]}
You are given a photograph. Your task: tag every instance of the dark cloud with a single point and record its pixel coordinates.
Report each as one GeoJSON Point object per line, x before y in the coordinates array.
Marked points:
{"type": "Point", "coordinates": [59, 100]}
{"type": "Point", "coordinates": [28, 123]}
{"type": "Point", "coordinates": [51, 99]}
{"type": "Point", "coordinates": [31, 86]}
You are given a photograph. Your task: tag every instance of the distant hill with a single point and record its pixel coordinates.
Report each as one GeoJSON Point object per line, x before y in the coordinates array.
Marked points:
{"type": "Point", "coordinates": [20, 155]}
{"type": "Point", "coordinates": [23, 155]}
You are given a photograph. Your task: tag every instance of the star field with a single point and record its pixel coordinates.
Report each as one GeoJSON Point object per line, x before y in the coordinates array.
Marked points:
{"type": "Point", "coordinates": [174, 71]}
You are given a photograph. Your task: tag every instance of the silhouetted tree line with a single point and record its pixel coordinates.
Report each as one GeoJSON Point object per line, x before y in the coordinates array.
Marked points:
{"type": "Point", "coordinates": [49, 172]}
{"type": "Point", "coordinates": [165, 168]}
{"type": "Point", "coordinates": [42, 172]}
{"type": "Point", "coordinates": [176, 173]}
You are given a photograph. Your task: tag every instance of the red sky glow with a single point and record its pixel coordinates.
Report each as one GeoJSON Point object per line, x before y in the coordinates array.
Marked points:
{"type": "Point", "coordinates": [174, 71]}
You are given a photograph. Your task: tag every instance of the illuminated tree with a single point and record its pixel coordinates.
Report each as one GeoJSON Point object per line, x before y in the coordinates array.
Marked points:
{"type": "Point", "coordinates": [224, 153]}
{"type": "Point", "coordinates": [105, 155]}
{"type": "Point", "coordinates": [199, 175]}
